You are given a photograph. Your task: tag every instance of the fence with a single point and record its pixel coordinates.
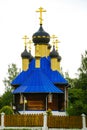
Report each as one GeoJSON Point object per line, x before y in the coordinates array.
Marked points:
{"type": "Point", "coordinates": [64, 122]}
{"type": "Point", "coordinates": [43, 121]}
{"type": "Point", "coordinates": [23, 120]}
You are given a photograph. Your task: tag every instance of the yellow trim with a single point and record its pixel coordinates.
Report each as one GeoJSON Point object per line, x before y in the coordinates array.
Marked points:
{"type": "Point", "coordinates": [41, 50]}
{"type": "Point", "coordinates": [55, 65]}
{"type": "Point", "coordinates": [48, 52]}
{"type": "Point", "coordinates": [37, 51]}
{"type": "Point", "coordinates": [37, 63]}
{"type": "Point", "coordinates": [58, 66]}
{"type": "Point", "coordinates": [41, 37]}
{"type": "Point", "coordinates": [25, 64]}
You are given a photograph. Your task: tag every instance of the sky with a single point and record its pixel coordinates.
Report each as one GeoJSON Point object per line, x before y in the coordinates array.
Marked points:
{"type": "Point", "coordinates": [67, 19]}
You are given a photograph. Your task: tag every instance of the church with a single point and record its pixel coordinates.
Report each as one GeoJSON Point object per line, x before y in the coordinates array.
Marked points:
{"type": "Point", "coordinates": [40, 86]}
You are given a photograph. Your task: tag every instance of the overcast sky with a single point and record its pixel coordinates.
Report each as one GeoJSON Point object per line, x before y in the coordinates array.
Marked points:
{"type": "Point", "coordinates": [67, 19]}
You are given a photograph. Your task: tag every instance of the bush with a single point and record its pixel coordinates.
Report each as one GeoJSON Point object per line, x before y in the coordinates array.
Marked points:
{"type": "Point", "coordinates": [49, 112]}
{"type": "Point", "coordinates": [7, 110]}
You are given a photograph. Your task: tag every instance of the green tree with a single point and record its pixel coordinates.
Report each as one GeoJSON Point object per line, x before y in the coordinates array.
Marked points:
{"type": "Point", "coordinates": [7, 110]}
{"type": "Point", "coordinates": [7, 97]}
{"type": "Point", "coordinates": [13, 71]}
{"type": "Point", "coordinates": [83, 72]}
{"type": "Point", "coordinates": [78, 90]}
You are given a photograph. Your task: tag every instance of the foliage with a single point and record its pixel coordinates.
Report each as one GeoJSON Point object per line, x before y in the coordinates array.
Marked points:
{"type": "Point", "coordinates": [78, 90]}
{"type": "Point", "coordinates": [7, 110]}
{"type": "Point", "coordinates": [49, 112]}
{"type": "Point", "coordinates": [13, 71]}
{"type": "Point", "coordinates": [7, 97]}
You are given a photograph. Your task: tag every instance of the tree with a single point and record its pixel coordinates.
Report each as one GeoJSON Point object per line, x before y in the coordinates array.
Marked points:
{"type": "Point", "coordinates": [13, 71]}
{"type": "Point", "coordinates": [7, 97]}
{"type": "Point", "coordinates": [78, 91]}
{"type": "Point", "coordinates": [83, 72]}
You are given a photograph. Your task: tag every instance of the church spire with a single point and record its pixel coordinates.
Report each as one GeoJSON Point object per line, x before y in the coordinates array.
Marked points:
{"type": "Point", "coordinates": [53, 38]}
{"type": "Point", "coordinates": [25, 55]}
{"type": "Point", "coordinates": [29, 43]}
{"type": "Point", "coordinates": [41, 10]}
{"type": "Point", "coordinates": [25, 39]}
{"type": "Point", "coordinates": [56, 44]}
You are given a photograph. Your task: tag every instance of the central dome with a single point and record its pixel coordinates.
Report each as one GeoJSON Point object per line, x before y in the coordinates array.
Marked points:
{"type": "Point", "coordinates": [41, 37]}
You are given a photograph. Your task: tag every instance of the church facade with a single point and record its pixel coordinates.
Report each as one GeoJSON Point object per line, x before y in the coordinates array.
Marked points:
{"type": "Point", "coordinates": [40, 86]}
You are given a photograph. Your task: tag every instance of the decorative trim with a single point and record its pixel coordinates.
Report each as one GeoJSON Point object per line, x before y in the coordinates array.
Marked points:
{"type": "Point", "coordinates": [41, 37]}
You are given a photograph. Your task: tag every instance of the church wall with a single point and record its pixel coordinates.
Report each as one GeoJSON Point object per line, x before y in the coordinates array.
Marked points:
{"type": "Point", "coordinates": [41, 50]}
{"type": "Point", "coordinates": [25, 64]}
{"type": "Point", "coordinates": [38, 102]}
{"type": "Point", "coordinates": [54, 63]}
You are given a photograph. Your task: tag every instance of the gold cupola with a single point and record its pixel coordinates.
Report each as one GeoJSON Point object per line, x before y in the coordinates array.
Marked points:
{"type": "Point", "coordinates": [41, 38]}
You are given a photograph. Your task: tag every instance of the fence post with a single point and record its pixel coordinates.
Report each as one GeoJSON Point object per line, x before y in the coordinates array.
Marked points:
{"type": "Point", "coordinates": [84, 122]}
{"type": "Point", "coordinates": [2, 120]}
{"type": "Point", "coordinates": [45, 122]}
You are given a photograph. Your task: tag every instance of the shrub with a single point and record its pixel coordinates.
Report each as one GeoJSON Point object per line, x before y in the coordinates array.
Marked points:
{"type": "Point", "coordinates": [7, 110]}
{"type": "Point", "coordinates": [49, 112]}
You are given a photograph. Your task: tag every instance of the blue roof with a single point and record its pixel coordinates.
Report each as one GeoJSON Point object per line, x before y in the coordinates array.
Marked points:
{"type": "Point", "coordinates": [37, 82]}
{"type": "Point", "coordinates": [45, 64]}
{"type": "Point", "coordinates": [19, 80]}
{"type": "Point", "coordinates": [54, 76]}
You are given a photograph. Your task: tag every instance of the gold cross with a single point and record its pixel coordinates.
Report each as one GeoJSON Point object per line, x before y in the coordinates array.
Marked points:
{"type": "Point", "coordinates": [25, 39]}
{"type": "Point", "coordinates": [40, 10]}
{"type": "Point", "coordinates": [29, 42]}
{"type": "Point", "coordinates": [57, 41]}
{"type": "Point", "coordinates": [53, 37]}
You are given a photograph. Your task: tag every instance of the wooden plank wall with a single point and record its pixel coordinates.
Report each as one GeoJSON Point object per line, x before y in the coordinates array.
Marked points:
{"type": "Point", "coordinates": [64, 122]}
{"type": "Point", "coordinates": [30, 120]}
{"type": "Point", "coordinates": [36, 120]}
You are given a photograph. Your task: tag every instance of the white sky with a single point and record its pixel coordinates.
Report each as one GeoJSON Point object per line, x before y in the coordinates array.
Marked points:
{"type": "Point", "coordinates": [67, 19]}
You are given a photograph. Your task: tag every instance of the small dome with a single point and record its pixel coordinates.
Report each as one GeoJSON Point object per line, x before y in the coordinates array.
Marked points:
{"type": "Point", "coordinates": [25, 54]}
{"type": "Point", "coordinates": [49, 46]}
{"type": "Point", "coordinates": [30, 56]}
{"type": "Point", "coordinates": [53, 53]}
{"type": "Point", "coordinates": [41, 37]}
{"type": "Point", "coordinates": [59, 58]}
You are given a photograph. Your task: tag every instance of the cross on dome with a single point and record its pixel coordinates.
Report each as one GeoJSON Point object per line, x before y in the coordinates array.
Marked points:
{"type": "Point", "coordinates": [29, 43]}
{"type": "Point", "coordinates": [25, 39]}
{"type": "Point", "coordinates": [53, 37]}
{"type": "Point", "coordinates": [56, 42]}
{"type": "Point", "coordinates": [40, 10]}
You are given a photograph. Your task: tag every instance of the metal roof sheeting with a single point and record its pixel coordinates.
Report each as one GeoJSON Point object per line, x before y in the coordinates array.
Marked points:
{"type": "Point", "coordinates": [19, 80]}
{"type": "Point", "coordinates": [54, 76]}
{"type": "Point", "coordinates": [37, 82]}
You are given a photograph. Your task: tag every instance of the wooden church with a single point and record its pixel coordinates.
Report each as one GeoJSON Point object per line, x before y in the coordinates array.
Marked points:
{"type": "Point", "coordinates": [40, 86]}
